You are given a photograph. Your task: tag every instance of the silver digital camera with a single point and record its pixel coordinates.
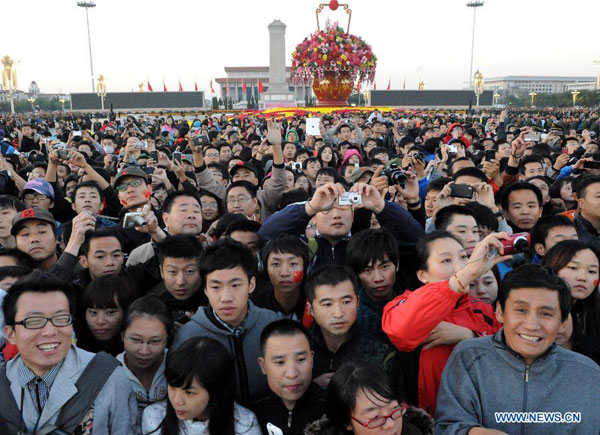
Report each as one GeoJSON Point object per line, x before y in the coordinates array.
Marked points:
{"type": "Point", "coordinates": [350, 198]}
{"type": "Point", "coordinates": [133, 219]}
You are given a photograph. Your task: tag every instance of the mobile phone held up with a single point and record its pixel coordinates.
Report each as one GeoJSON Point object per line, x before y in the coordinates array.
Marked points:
{"type": "Point", "coordinates": [532, 136]}
{"type": "Point", "coordinates": [461, 191]}
{"type": "Point", "coordinates": [490, 155]}
{"type": "Point", "coordinates": [177, 156]}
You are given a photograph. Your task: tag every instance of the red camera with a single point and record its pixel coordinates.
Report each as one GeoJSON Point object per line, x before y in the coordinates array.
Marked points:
{"type": "Point", "coordinates": [519, 242]}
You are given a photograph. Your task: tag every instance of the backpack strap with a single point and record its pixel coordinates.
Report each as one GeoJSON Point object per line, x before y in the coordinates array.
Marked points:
{"type": "Point", "coordinates": [11, 420]}
{"type": "Point", "coordinates": [313, 247]}
{"type": "Point", "coordinates": [89, 384]}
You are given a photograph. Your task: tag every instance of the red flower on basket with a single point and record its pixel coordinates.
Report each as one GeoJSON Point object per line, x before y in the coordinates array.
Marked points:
{"type": "Point", "coordinates": [333, 50]}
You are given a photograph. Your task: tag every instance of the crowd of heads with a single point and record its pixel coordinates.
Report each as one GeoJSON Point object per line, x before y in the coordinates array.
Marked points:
{"type": "Point", "coordinates": [124, 234]}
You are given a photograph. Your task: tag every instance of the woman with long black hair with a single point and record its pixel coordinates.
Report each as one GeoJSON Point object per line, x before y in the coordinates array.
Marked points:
{"type": "Point", "coordinates": [201, 388]}
{"type": "Point", "coordinates": [579, 265]}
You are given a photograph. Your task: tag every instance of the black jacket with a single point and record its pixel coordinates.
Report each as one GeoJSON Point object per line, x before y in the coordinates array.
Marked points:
{"type": "Point", "coordinates": [270, 409]}
{"type": "Point", "coordinates": [360, 345]}
{"type": "Point", "coordinates": [265, 298]}
{"type": "Point", "coordinates": [586, 231]}
{"type": "Point", "coordinates": [293, 220]}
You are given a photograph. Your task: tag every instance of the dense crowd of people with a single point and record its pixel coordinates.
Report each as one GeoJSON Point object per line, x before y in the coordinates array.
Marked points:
{"type": "Point", "coordinates": [396, 273]}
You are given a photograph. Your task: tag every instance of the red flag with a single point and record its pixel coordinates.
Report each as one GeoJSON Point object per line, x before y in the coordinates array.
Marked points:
{"type": "Point", "coordinates": [389, 83]}
{"type": "Point", "coordinates": [358, 88]}
{"type": "Point", "coordinates": [195, 85]}
{"type": "Point", "coordinates": [261, 88]}
{"type": "Point", "coordinates": [244, 87]}
{"type": "Point", "coordinates": [374, 86]}
{"type": "Point", "coordinates": [226, 87]}
{"type": "Point", "coordinates": [164, 86]}
{"type": "Point", "coordinates": [149, 87]}
{"type": "Point", "coordinates": [212, 91]}
{"type": "Point", "coordinates": [180, 88]}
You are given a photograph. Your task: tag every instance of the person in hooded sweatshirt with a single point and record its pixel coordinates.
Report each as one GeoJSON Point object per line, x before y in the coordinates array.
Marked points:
{"type": "Point", "coordinates": [227, 271]}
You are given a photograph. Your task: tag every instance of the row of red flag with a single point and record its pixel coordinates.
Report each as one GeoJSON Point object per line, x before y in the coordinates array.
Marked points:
{"type": "Point", "coordinates": [261, 88]}
{"type": "Point", "coordinates": [389, 86]}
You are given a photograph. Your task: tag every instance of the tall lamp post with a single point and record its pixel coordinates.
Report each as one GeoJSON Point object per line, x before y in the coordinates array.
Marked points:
{"type": "Point", "coordinates": [31, 101]}
{"type": "Point", "coordinates": [575, 94]}
{"type": "Point", "coordinates": [87, 5]}
{"type": "Point", "coordinates": [597, 62]}
{"type": "Point", "coordinates": [473, 4]}
{"type": "Point", "coordinates": [9, 80]}
{"type": "Point", "coordinates": [62, 101]}
{"type": "Point", "coordinates": [496, 96]}
{"type": "Point", "coordinates": [532, 95]}
{"type": "Point", "coordinates": [478, 85]}
{"type": "Point", "coordinates": [101, 89]}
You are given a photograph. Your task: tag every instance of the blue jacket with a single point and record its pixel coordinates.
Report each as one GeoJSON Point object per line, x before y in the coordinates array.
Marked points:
{"type": "Point", "coordinates": [483, 376]}
{"type": "Point", "coordinates": [293, 220]}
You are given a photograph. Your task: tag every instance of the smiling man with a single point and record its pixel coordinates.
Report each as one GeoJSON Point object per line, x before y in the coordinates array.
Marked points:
{"type": "Point", "coordinates": [530, 373]}
{"type": "Point", "coordinates": [227, 270]}
{"type": "Point", "coordinates": [522, 205]}
{"type": "Point", "coordinates": [287, 360]}
{"type": "Point", "coordinates": [50, 377]}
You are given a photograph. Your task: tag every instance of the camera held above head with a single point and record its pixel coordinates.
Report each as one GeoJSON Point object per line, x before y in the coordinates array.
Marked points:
{"type": "Point", "coordinates": [133, 219]}
{"type": "Point", "coordinates": [350, 198]}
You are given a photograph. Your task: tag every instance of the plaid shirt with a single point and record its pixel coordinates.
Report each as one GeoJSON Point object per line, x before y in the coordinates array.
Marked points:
{"type": "Point", "coordinates": [39, 387]}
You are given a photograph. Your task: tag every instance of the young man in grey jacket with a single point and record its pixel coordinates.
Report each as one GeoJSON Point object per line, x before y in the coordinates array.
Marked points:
{"type": "Point", "coordinates": [519, 381]}
{"type": "Point", "coordinates": [43, 378]}
{"type": "Point", "coordinates": [227, 271]}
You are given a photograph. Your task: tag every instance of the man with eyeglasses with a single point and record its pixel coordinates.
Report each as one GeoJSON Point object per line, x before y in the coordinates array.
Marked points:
{"type": "Point", "coordinates": [38, 193]}
{"type": "Point", "coordinates": [134, 194]}
{"type": "Point", "coordinates": [241, 198]}
{"type": "Point", "coordinates": [51, 384]}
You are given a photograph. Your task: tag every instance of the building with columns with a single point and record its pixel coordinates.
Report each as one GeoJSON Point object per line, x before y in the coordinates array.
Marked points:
{"type": "Point", "coordinates": [250, 76]}
{"type": "Point", "coordinates": [522, 85]}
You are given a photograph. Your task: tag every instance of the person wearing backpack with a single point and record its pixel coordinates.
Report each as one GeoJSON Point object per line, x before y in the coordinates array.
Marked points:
{"type": "Point", "coordinates": [53, 387]}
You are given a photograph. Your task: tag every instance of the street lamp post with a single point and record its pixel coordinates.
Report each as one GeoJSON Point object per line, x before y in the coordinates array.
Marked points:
{"type": "Point", "coordinates": [473, 4]}
{"type": "Point", "coordinates": [31, 101]}
{"type": "Point", "coordinates": [496, 96]}
{"type": "Point", "coordinates": [101, 89]}
{"type": "Point", "coordinates": [532, 95]}
{"type": "Point", "coordinates": [478, 85]}
{"type": "Point", "coordinates": [9, 80]}
{"type": "Point", "coordinates": [575, 94]}
{"type": "Point", "coordinates": [87, 5]}
{"type": "Point", "coordinates": [62, 101]}
{"type": "Point", "coordinates": [597, 62]}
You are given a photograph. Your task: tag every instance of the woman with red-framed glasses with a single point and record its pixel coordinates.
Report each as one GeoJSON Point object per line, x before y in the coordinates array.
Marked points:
{"type": "Point", "coordinates": [361, 401]}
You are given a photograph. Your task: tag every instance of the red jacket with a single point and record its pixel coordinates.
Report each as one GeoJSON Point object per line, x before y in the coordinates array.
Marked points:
{"type": "Point", "coordinates": [410, 317]}
{"type": "Point", "coordinates": [449, 137]}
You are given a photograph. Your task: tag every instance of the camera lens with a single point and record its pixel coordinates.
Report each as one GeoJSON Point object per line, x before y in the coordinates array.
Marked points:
{"type": "Point", "coordinates": [521, 244]}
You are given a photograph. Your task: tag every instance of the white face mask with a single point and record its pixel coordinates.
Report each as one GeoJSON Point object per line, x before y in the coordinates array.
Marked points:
{"type": "Point", "coordinates": [109, 150]}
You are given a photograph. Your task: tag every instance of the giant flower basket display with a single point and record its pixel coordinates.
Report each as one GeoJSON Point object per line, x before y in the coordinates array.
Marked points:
{"type": "Point", "coordinates": [334, 60]}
